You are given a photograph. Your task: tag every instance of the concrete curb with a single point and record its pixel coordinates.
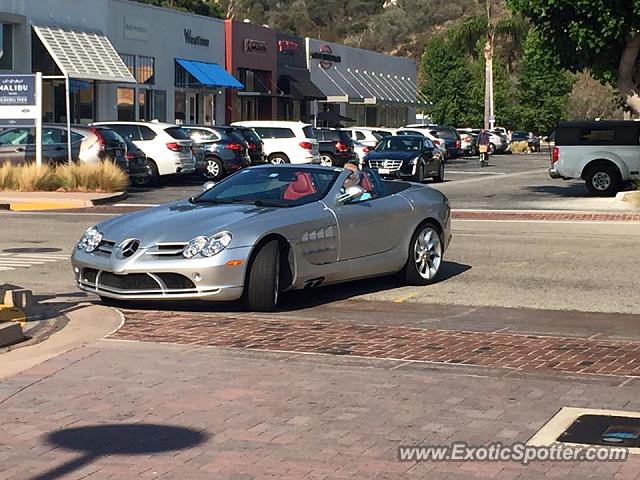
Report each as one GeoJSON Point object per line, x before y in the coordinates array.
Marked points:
{"type": "Point", "coordinates": [632, 198]}
{"type": "Point", "coordinates": [86, 325]}
{"type": "Point", "coordinates": [57, 201]}
{"type": "Point", "coordinates": [10, 313]}
{"type": "Point", "coordinates": [10, 334]}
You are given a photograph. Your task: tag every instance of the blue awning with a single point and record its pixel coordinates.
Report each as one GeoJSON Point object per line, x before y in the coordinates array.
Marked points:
{"type": "Point", "coordinates": [209, 74]}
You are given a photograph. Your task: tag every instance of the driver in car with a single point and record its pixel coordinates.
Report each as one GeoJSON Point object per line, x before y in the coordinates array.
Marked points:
{"type": "Point", "coordinates": [356, 178]}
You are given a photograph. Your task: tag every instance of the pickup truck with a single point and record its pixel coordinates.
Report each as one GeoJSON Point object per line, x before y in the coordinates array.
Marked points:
{"type": "Point", "coordinates": [605, 154]}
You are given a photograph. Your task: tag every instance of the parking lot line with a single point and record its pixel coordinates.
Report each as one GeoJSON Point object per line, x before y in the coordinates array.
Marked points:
{"type": "Point", "coordinates": [459, 172]}
{"type": "Point", "coordinates": [506, 175]}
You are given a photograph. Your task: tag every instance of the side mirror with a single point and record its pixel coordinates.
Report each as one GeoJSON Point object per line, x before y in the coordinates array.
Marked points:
{"type": "Point", "coordinates": [208, 186]}
{"type": "Point", "coordinates": [354, 191]}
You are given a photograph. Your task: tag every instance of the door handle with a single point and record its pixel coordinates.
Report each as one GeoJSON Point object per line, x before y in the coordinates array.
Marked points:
{"type": "Point", "coordinates": [20, 149]}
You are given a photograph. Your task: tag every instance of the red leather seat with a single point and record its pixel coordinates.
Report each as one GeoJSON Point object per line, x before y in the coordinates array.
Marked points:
{"type": "Point", "coordinates": [302, 187]}
{"type": "Point", "coordinates": [365, 183]}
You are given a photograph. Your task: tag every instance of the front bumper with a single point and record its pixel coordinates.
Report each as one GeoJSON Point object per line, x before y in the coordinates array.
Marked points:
{"type": "Point", "coordinates": [147, 276]}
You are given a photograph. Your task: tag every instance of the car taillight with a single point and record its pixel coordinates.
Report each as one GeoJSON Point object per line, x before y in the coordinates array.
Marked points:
{"type": "Point", "coordinates": [458, 143]}
{"type": "Point", "coordinates": [174, 147]}
{"type": "Point", "coordinates": [252, 146]}
{"type": "Point", "coordinates": [342, 147]}
{"type": "Point", "coordinates": [556, 154]}
{"type": "Point", "coordinates": [366, 149]}
{"type": "Point", "coordinates": [100, 139]}
{"type": "Point", "coordinates": [306, 145]}
{"type": "Point", "coordinates": [130, 157]}
{"type": "Point", "coordinates": [436, 143]}
{"type": "Point", "coordinates": [234, 146]}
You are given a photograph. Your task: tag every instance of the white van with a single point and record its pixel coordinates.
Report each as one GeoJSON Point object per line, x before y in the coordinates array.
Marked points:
{"type": "Point", "coordinates": [285, 142]}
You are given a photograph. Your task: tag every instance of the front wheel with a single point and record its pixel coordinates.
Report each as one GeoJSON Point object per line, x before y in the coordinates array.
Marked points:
{"type": "Point", "coordinates": [492, 148]}
{"type": "Point", "coordinates": [603, 180]}
{"type": "Point", "coordinates": [426, 253]}
{"type": "Point", "coordinates": [439, 178]}
{"type": "Point", "coordinates": [420, 174]}
{"type": "Point", "coordinates": [263, 279]}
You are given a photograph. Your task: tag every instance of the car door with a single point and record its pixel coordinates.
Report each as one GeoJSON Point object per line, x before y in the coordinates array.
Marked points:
{"type": "Point", "coordinates": [14, 143]}
{"type": "Point", "coordinates": [371, 226]}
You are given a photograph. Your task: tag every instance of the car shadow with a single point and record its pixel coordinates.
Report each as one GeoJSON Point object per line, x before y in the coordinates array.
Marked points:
{"type": "Point", "coordinates": [301, 299]}
{"type": "Point", "coordinates": [97, 441]}
{"type": "Point", "coordinates": [566, 190]}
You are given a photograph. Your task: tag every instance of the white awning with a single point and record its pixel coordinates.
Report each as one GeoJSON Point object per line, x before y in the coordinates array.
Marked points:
{"type": "Point", "coordinates": [387, 89]}
{"type": "Point", "coordinates": [84, 55]}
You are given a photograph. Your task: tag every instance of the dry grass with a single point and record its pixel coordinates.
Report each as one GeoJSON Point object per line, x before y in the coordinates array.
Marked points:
{"type": "Point", "coordinates": [519, 147]}
{"type": "Point", "coordinates": [99, 177]}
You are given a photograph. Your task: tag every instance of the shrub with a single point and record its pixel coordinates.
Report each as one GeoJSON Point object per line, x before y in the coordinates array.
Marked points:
{"type": "Point", "coordinates": [519, 147]}
{"type": "Point", "coordinates": [82, 177]}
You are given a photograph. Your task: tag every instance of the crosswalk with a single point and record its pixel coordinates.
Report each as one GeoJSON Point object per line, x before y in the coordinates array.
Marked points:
{"type": "Point", "coordinates": [13, 261]}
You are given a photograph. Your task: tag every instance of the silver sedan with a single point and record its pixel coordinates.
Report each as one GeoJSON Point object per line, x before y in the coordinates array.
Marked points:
{"type": "Point", "coordinates": [265, 230]}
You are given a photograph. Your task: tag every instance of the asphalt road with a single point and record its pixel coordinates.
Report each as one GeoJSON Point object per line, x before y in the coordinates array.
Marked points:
{"type": "Point", "coordinates": [518, 181]}
{"type": "Point", "coordinates": [564, 266]}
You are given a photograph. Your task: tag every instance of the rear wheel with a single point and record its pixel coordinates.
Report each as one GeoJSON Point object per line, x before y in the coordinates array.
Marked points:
{"type": "Point", "coordinates": [152, 178]}
{"type": "Point", "coordinates": [263, 279]}
{"type": "Point", "coordinates": [425, 256]}
{"type": "Point", "coordinates": [603, 180]}
{"type": "Point", "coordinates": [214, 169]}
{"type": "Point", "coordinates": [326, 160]}
{"type": "Point", "coordinates": [278, 158]}
{"type": "Point", "coordinates": [492, 148]}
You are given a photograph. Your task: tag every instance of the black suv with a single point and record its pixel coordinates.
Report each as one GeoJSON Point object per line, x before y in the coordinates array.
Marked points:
{"type": "Point", "coordinates": [335, 146]}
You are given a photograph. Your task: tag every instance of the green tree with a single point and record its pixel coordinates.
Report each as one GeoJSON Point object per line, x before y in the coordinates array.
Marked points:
{"type": "Point", "coordinates": [543, 88]}
{"type": "Point", "coordinates": [601, 35]}
{"type": "Point", "coordinates": [209, 8]}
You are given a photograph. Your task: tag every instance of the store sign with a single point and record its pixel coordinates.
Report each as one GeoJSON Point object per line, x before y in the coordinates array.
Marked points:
{"type": "Point", "coordinates": [136, 28]}
{"type": "Point", "coordinates": [288, 47]}
{"type": "Point", "coordinates": [326, 57]}
{"type": "Point", "coordinates": [197, 41]}
{"type": "Point", "coordinates": [255, 46]}
{"type": "Point", "coordinates": [17, 90]}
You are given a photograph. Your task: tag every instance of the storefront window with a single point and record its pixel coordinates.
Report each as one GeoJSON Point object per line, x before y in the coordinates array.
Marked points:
{"type": "Point", "coordinates": [255, 80]}
{"type": "Point", "coordinates": [159, 105]}
{"type": "Point", "coordinates": [179, 107]}
{"type": "Point", "coordinates": [143, 107]}
{"type": "Point", "coordinates": [6, 46]}
{"type": "Point", "coordinates": [145, 70]}
{"type": "Point", "coordinates": [126, 105]}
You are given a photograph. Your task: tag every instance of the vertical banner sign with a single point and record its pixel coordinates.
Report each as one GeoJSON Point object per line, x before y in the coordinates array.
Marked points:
{"type": "Point", "coordinates": [21, 105]}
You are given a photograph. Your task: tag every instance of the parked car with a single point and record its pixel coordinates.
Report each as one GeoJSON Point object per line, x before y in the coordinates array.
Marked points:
{"type": "Point", "coordinates": [499, 143]}
{"type": "Point", "coordinates": [406, 157]}
{"type": "Point", "coordinates": [451, 139]}
{"type": "Point", "coordinates": [369, 135]}
{"type": "Point", "coordinates": [604, 154]}
{"type": "Point", "coordinates": [17, 145]}
{"type": "Point", "coordinates": [139, 170]}
{"type": "Point", "coordinates": [361, 151]}
{"type": "Point", "coordinates": [297, 226]}
{"type": "Point", "coordinates": [285, 142]}
{"type": "Point", "coordinates": [438, 142]}
{"type": "Point", "coordinates": [468, 141]}
{"type": "Point", "coordinates": [519, 137]}
{"type": "Point", "coordinates": [168, 147]}
{"type": "Point", "coordinates": [220, 151]}
{"type": "Point", "coordinates": [335, 146]}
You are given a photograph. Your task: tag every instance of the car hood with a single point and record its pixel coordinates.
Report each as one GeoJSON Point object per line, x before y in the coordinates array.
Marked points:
{"type": "Point", "coordinates": [179, 222]}
{"type": "Point", "coordinates": [392, 155]}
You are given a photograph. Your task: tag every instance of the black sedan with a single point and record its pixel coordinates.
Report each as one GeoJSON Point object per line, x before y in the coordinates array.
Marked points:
{"type": "Point", "coordinates": [407, 157]}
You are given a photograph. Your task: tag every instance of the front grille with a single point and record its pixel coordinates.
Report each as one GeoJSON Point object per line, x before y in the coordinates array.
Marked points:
{"type": "Point", "coordinates": [133, 281]}
{"type": "Point", "coordinates": [175, 281]}
{"type": "Point", "coordinates": [167, 249]}
{"type": "Point", "coordinates": [388, 164]}
{"type": "Point", "coordinates": [106, 246]}
{"type": "Point", "coordinates": [89, 275]}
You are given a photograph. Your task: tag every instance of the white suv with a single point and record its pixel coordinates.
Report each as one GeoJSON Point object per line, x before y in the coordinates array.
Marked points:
{"type": "Point", "coordinates": [285, 142]}
{"type": "Point", "coordinates": [425, 131]}
{"type": "Point", "coordinates": [168, 147]}
{"type": "Point", "coordinates": [368, 136]}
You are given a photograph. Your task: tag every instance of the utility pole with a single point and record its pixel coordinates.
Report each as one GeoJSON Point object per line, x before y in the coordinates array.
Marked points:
{"type": "Point", "coordinates": [489, 110]}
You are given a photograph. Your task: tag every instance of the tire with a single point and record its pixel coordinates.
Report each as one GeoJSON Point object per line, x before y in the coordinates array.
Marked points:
{"type": "Point", "coordinates": [439, 178]}
{"type": "Point", "coordinates": [420, 174]}
{"type": "Point", "coordinates": [492, 149]}
{"type": "Point", "coordinates": [425, 256]}
{"type": "Point", "coordinates": [152, 179]}
{"type": "Point", "coordinates": [327, 160]}
{"type": "Point", "coordinates": [112, 302]}
{"type": "Point", "coordinates": [603, 180]}
{"type": "Point", "coordinates": [278, 158]}
{"type": "Point", "coordinates": [263, 279]}
{"type": "Point", "coordinates": [214, 169]}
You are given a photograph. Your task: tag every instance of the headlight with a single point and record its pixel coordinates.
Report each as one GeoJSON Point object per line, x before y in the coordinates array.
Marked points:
{"type": "Point", "coordinates": [207, 246]}
{"type": "Point", "coordinates": [90, 240]}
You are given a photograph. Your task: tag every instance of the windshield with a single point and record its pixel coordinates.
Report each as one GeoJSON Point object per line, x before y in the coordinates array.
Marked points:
{"type": "Point", "coordinates": [177, 133]}
{"type": "Point", "coordinates": [272, 187]}
{"type": "Point", "coordinates": [445, 133]}
{"type": "Point", "coordinates": [401, 144]}
{"type": "Point", "coordinates": [249, 135]}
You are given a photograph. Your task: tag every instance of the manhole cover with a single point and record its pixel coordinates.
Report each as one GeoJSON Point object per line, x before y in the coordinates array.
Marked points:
{"type": "Point", "coordinates": [32, 250]}
{"type": "Point", "coordinates": [603, 430]}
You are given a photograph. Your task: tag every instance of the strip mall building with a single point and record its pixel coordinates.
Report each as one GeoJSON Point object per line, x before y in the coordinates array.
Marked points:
{"type": "Point", "coordinates": [128, 61]}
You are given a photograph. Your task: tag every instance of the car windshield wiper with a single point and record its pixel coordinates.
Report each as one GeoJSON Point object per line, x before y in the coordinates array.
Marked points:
{"type": "Point", "coordinates": [214, 201]}
{"type": "Point", "coordinates": [269, 203]}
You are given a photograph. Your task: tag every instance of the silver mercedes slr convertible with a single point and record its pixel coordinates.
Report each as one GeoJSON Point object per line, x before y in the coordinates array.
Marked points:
{"type": "Point", "coordinates": [265, 230]}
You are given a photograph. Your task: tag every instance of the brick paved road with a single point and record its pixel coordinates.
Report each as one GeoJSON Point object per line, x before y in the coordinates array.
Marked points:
{"type": "Point", "coordinates": [269, 415]}
{"type": "Point", "coordinates": [489, 349]}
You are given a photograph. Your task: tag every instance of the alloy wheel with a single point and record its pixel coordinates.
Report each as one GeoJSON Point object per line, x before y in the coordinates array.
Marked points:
{"type": "Point", "coordinates": [213, 169]}
{"type": "Point", "coordinates": [427, 253]}
{"type": "Point", "coordinates": [326, 161]}
{"type": "Point", "coordinates": [277, 160]}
